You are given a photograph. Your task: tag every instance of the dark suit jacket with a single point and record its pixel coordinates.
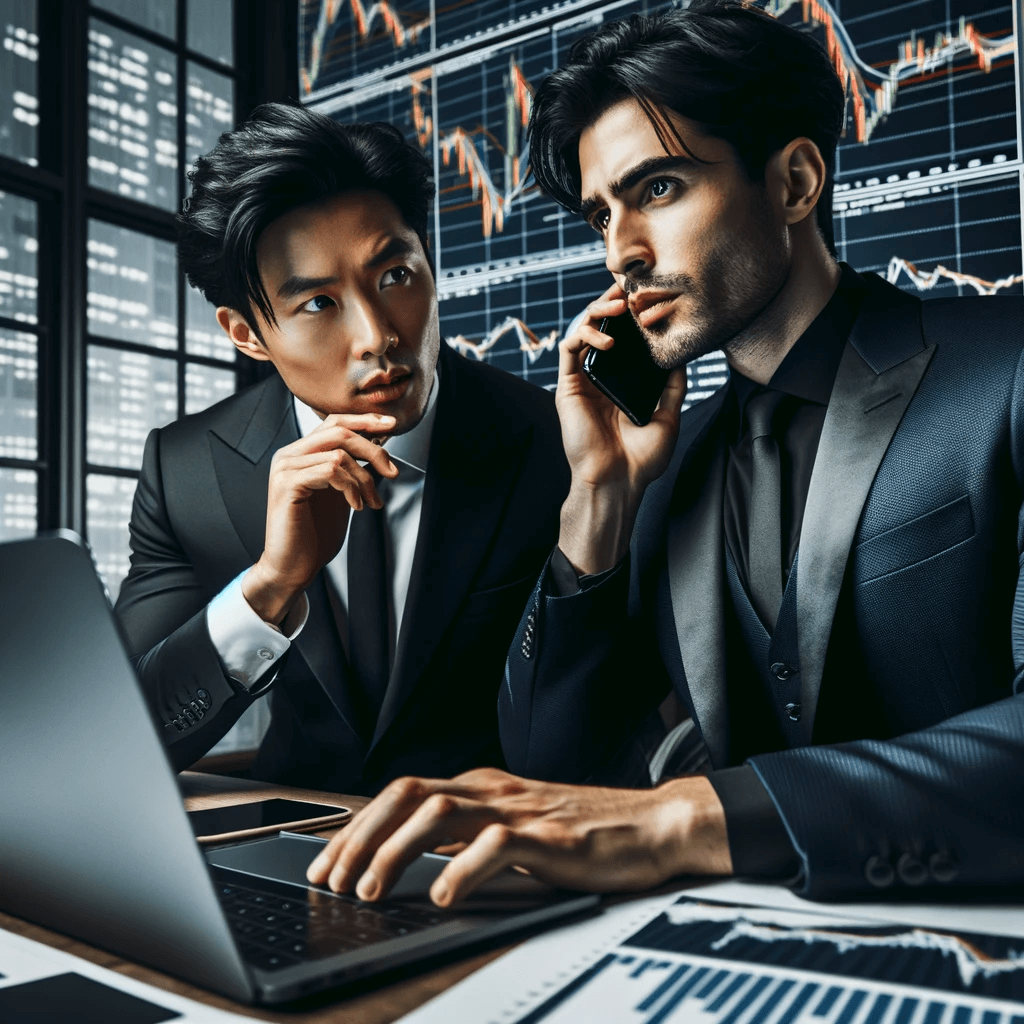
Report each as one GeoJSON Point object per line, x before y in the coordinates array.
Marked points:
{"type": "Point", "coordinates": [908, 764]}
{"type": "Point", "coordinates": [495, 480]}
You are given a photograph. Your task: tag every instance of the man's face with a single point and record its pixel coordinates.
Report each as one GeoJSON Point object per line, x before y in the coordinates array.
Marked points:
{"type": "Point", "coordinates": [356, 309]}
{"type": "Point", "coordinates": [696, 246]}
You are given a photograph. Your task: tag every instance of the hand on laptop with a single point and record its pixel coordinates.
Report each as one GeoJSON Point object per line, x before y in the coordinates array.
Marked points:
{"type": "Point", "coordinates": [579, 837]}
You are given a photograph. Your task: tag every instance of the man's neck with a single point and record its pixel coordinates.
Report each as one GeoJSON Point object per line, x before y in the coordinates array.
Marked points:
{"type": "Point", "coordinates": [757, 351]}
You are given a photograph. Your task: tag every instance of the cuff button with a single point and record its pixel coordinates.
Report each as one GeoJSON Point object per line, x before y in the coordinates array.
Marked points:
{"type": "Point", "coordinates": [942, 867]}
{"type": "Point", "coordinates": [911, 870]}
{"type": "Point", "coordinates": [266, 653]}
{"type": "Point", "coordinates": [879, 872]}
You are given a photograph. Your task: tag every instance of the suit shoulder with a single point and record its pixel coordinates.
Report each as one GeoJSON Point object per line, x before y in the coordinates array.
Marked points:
{"type": "Point", "coordinates": [229, 415]}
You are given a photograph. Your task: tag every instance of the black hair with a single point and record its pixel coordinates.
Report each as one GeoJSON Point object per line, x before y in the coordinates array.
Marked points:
{"type": "Point", "coordinates": [283, 157]}
{"type": "Point", "coordinates": [738, 72]}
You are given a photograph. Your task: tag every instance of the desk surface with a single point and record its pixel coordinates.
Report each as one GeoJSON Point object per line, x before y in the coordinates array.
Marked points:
{"type": "Point", "coordinates": [370, 1006]}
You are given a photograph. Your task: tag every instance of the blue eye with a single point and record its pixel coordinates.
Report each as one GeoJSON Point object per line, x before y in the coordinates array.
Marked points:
{"type": "Point", "coordinates": [318, 303]}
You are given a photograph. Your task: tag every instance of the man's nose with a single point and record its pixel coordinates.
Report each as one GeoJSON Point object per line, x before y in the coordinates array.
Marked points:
{"type": "Point", "coordinates": [627, 249]}
{"type": "Point", "coordinates": [370, 329]}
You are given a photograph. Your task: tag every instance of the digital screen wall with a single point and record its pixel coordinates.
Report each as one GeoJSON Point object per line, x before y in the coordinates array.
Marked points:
{"type": "Point", "coordinates": [928, 187]}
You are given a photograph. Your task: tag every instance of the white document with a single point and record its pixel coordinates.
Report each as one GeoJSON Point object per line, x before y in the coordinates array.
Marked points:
{"type": "Point", "coordinates": [733, 953]}
{"type": "Point", "coordinates": [23, 961]}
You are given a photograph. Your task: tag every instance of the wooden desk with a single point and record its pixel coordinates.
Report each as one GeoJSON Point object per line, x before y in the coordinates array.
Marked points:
{"type": "Point", "coordinates": [369, 1004]}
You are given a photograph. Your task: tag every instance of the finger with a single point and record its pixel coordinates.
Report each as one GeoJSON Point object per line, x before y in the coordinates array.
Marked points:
{"type": "Point", "coordinates": [336, 469]}
{"type": "Point", "coordinates": [346, 856]}
{"type": "Point", "coordinates": [671, 401]}
{"type": "Point", "coordinates": [441, 818]}
{"type": "Point", "coordinates": [342, 438]}
{"type": "Point", "coordinates": [363, 423]}
{"type": "Point", "coordinates": [493, 850]}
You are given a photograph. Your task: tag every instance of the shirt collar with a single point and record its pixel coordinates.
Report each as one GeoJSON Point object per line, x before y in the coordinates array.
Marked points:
{"type": "Point", "coordinates": [411, 448]}
{"type": "Point", "coordinates": [810, 366]}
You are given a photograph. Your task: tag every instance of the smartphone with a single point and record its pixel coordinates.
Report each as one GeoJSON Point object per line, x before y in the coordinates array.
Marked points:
{"type": "Point", "coordinates": [627, 373]}
{"type": "Point", "coordinates": [264, 816]}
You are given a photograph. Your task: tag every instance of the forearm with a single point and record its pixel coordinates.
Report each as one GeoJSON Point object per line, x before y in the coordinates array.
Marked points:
{"type": "Point", "coordinates": [579, 678]}
{"type": "Point", "coordinates": [935, 807]}
{"type": "Point", "coordinates": [192, 700]}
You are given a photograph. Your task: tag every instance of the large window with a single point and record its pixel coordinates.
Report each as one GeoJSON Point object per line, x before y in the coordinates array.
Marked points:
{"type": "Point", "coordinates": [104, 105]}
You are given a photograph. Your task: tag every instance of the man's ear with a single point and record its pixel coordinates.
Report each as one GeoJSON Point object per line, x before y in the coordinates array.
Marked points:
{"type": "Point", "coordinates": [795, 176]}
{"type": "Point", "coordinates": [242, 336]}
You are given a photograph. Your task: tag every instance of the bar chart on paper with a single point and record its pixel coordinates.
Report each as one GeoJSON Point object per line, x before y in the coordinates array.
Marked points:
{"type": "Point", "coordinates": [714, 963]}
{"type": "Point", "coordinates": [928, 188]}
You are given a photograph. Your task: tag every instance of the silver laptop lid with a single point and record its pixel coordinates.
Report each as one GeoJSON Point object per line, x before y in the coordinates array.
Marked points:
{"type": "Point", "coordinates": [94, 841]}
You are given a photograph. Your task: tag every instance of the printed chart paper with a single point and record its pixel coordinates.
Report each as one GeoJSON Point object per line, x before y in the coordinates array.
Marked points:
{"type": "Point", "coordinates": [701, 956]}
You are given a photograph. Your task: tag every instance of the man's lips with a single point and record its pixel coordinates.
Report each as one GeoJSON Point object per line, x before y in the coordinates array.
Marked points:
{"type": "Point", "coordinates": [648, 307]}
{"type": "Point", "coordinates": [386, 387]}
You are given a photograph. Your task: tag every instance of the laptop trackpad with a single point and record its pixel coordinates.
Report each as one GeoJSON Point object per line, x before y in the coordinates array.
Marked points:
{"type": "Point", "coordinates": [285, 859]}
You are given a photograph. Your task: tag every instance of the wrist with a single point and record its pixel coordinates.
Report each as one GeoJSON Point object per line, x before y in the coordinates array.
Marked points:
{"type": "Point", "coordinates": [269, 596]}
{"type": "Point", "coordinates": [595, 527]}
{"type": "Point", "coordinates": [691, 828]}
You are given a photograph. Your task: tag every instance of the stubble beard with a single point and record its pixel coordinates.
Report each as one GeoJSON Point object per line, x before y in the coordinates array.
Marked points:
{"type": "Point", "coordinates": [739, 281]}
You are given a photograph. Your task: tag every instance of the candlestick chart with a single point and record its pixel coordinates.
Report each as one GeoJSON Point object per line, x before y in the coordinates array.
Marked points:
{"type": "Point", "coordinates": [928, 181]}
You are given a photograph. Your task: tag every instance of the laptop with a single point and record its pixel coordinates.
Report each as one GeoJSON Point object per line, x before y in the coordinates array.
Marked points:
{"type": "Point", "coordinates": [95, 842]}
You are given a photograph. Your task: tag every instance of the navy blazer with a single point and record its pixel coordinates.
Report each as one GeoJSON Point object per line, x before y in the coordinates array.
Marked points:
{"type": "Point", "coordinates": [496, 477]}
{"type": "Point", "coordinates": [908, 766]}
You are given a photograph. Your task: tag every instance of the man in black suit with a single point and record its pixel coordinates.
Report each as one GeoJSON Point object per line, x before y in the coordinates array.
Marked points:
{"type": "Point", "coordinates": [357, 534]}
{"type": "Point", "coordinates": [821, 561]}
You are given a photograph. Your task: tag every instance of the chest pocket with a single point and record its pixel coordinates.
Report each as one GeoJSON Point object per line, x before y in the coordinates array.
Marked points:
{"type": "Point", "coordinates": [915, 541]}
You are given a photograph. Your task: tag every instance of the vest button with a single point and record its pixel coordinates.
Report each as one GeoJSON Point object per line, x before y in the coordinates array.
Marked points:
{"type": "Point", "coordinates": [781, 671]}
{"type": "Point", "coordinates": [793, 712]}
{"type": "Point", "coordinates": [879, 872]}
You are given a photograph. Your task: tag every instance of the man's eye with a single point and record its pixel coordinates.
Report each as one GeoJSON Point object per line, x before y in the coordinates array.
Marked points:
{"type": "Point", "coordinates": [599, 222]}
{"type": "Point", "coordinates": [661, 187]}
{"type": "Point", "coordinates": [318, 303]}
{"type": "Point", "coordinates": [396, 275]}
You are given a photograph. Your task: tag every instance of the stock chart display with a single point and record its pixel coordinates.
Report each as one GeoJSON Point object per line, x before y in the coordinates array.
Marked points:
{"type": "Point", "coordinates": [929, 178]}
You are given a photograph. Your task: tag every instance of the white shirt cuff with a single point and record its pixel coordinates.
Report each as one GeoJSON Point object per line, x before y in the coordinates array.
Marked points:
{"type": "Point", "coordinates": [248, 646]}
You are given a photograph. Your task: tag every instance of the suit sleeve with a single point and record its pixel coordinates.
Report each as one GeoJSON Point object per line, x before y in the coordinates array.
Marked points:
{"type": "Point", "coordinates": [582, 678]}
{"type": "Point", "coordinates": [162, 607]}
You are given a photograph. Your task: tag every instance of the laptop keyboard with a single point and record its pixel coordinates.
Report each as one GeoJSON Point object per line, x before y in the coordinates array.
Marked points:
{"type": "Point", "coordinates": [284, 926]}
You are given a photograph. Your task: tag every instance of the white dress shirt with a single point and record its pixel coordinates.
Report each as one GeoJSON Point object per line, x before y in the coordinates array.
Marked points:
{"type": "Point", "coordinates": [248, 647]}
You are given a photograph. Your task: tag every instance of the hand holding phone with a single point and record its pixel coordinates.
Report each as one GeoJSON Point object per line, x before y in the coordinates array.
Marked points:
{"type": "Point", "coordinates": [611, 458]}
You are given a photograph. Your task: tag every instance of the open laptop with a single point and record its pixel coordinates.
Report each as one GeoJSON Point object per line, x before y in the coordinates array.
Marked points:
{"type": "Point", "coordinates": [95, 843]}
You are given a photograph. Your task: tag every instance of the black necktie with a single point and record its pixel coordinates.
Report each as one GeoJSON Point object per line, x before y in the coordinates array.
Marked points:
{"type": "Point", "coordinates": [765, 521]}
{"type": "Point", "coordinates": [368, 605]}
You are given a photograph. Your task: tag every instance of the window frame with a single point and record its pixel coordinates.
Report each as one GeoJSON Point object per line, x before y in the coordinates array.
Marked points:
{"type": "Point", "coordinates": [265, 38]}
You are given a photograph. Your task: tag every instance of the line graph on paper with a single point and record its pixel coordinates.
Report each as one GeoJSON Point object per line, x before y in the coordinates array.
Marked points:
{"type": "Point", "coordinates": [717, 963]}
{"type": "Point", "coordinates": [928, 184]}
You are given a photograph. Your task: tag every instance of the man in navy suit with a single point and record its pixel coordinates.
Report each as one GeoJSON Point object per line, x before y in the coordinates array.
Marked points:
{"type": "Point", "coordinates": [357, 534]}
{"type": "Point", "coordinates": [821, 561]}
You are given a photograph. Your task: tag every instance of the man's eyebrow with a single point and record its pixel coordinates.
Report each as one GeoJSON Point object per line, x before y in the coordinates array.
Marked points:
{"type": "Point", "coordinates": [396, 246]}
{"type": "Point", "coordinates": [634, 175]}
{"type": "Point", "coordinates": [296, 285]}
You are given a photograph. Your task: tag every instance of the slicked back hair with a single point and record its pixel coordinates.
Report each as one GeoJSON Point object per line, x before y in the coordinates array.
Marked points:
{"type": "Point", "coordinates": [281, 158]}
{"type": "Point", "coordinates": [740, 74]}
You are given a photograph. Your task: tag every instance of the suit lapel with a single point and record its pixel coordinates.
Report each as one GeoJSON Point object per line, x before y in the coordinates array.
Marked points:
{"type": "Point", "coordinates": [473, 465]}
{"type": "Point", "coordinates": [242, 453]}
{"type": "Point", "coordinates": [697, 573]}
{"type": "Point", "coordinates": [881, 368]}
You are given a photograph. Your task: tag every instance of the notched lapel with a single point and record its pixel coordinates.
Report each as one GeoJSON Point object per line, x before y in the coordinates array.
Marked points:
{"type": "Point", "coordinates": [696, 566]}
{"type": "Point", "coordinates": [879, 373]}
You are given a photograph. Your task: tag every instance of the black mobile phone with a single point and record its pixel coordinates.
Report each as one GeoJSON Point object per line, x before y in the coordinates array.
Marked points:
{"type": "Point", "coordinates": [218, 821]}
{"type": "Point", "coordinates": [627, 373]}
